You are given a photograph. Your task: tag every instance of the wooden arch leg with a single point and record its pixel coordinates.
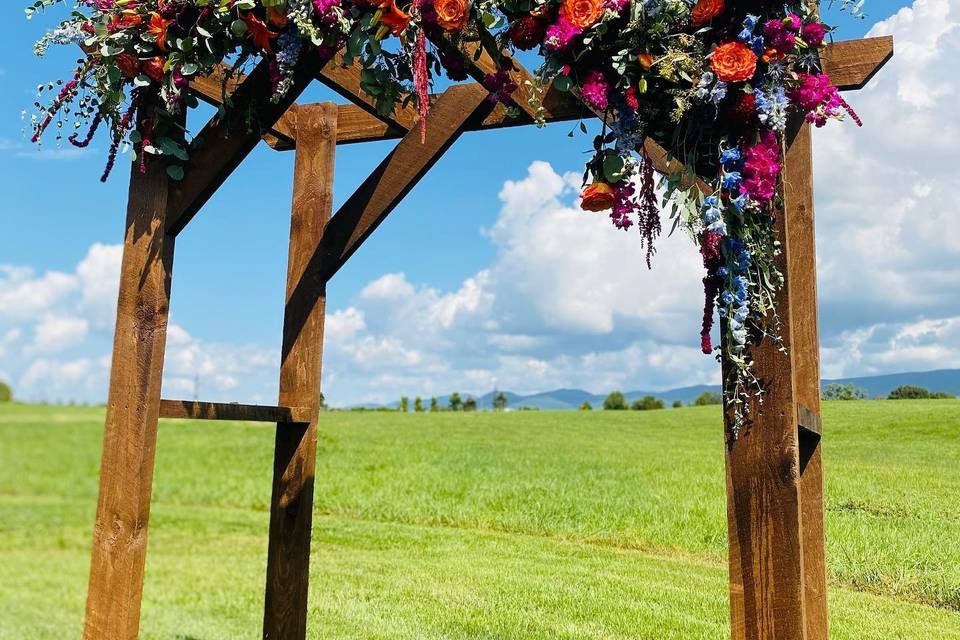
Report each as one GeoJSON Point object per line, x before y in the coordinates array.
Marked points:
{"type": "Point", "coordinates": [133, 406]}
{"type": "Point", "coordinates": [774, 471]}
{"type": "Point", "coordinates": [288, 559]}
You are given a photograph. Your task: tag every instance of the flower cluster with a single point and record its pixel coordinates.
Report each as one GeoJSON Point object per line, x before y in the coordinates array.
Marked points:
{"type": "Point", "coordinates": [145, 53]}
{"type": "Point", "coordinates": [716, 83]}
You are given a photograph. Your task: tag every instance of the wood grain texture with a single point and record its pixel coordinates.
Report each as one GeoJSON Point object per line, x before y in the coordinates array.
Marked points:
{"type": "Point", "coordinates": [133, 406]}
{"type": "Point", "coordinates": [767, 582]}
{"type": "Point", "coordinates": [288, 551]}
{"type": "Point", "coordinates": [802, 266]}
{"type": "Point", "coordinates": [852, 63]}
{"type": "Point", "coordinates": [194, 410]}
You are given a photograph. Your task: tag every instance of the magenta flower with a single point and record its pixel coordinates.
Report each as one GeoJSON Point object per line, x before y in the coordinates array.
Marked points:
{"type": "Point", "coordinates": [595, 91]}
{"type": "Point", "coordinates": [761, 168]}
{"type": "Point", "coordinates": [817, 97]}
{"type": "Point", "coordinates": [814, 33]}
{"type": "Point", "coordinates": [778, 36]}
{"type": "Point", "coordinates": [560, 34]}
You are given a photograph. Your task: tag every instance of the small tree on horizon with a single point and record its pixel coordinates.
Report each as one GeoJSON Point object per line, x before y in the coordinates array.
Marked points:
{"type": "Point", "coordinates": [456, 402]}
{"type": "Point", "coordinates": [836, 391]}
{"type": "Point", "coordinates": [434, 405]}
{"type": "Point", "coordinates": [678, 404]}
{"type": "Point", "coordinates": [647, 403]}
{"type": "Point", "coordinates": [909, 392]}
{"type": "Point", "coordinates": [404, 404]}
{"type": "Point", "coordinates": [708, 398]}
{"type": "Point", "coordinates": [615, 402]}
{"type": "Point", "coordinates": [418, 404]}
{"type": "Point", "coordinates": [500, 401]}
{"type": "Point", "coordinates": [470, 404]}
{"type": "Point", "coordinates": [6, 393]}
{"type": "Point", "coordinates": [586, 406]}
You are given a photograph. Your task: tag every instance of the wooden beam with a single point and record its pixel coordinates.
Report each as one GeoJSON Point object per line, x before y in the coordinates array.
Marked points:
{"type": "Point", "coordinates": [345, 80]}
{"type": "Point", "coordinates": [775, 499]}
{"type": "Point", "coordinates": [801, 264]}
{"type": "Point", "coordinates": [133, 408]}
{"type": "Point", "coordinates": [224, 142]}
{"type": "Point", "coordinates": [294, 466]}
{"type": "Point", "coordinates": [852, 63]}
{"type": "Point", "coordinates": [354, 124]}
{"type": "Point", "coordinates": [194, 410]}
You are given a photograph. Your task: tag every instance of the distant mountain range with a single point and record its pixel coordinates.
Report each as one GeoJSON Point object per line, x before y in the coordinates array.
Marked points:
{"type": "Point", "coordinates": [569, 399]}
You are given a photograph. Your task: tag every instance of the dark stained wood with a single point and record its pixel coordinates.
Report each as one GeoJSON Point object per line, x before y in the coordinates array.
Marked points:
{"type": "Point", "coordinates": [345, 80]}
{"type": "Point", "coordinates": [802, 266]}
{"type": "Point", "coordinates": [224, 143]}
{"type": "Point", "coordinates": [194, 410]}
{"type": "Point", "coordinates": [133, 407]}
{"type": "Point", "coordinates": [288, 553]}
{"type": "Point", "coordinates": [852, 63]}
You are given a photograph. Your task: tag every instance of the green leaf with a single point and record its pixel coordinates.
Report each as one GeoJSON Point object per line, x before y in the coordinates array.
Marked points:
{"type": "Point", "coordinates": [562, 83]}
{"type": "Point", "coordinates": [239, 27]}
{"type": "Point", "coordinates": [175, 171]}
{"type": "Point", "coordinates": [613, 167]}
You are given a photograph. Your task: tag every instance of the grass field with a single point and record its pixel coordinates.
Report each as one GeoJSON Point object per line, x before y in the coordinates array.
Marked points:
{"type": "Point", "coordinates": [450, 526]}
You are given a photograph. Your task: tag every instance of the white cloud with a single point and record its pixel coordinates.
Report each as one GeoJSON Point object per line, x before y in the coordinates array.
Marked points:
{"type": "Point", "coordinates": [55, 333]}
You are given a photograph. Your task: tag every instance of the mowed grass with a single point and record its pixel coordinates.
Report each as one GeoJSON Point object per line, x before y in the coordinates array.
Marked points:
{"type": "Point", "coordinates": [521, 525]}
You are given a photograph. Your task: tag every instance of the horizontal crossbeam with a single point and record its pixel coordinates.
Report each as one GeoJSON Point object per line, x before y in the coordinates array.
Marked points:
{"type": "Point", "coordinates": [850, 65]}
{"type": "Point", "coordinates": [194, 410]}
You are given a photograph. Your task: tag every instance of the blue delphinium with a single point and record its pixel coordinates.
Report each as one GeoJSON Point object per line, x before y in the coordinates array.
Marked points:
{"type": "Point", "coordinates": [713, 216]}
{"type": "Point", "coordinates": [772, 107]}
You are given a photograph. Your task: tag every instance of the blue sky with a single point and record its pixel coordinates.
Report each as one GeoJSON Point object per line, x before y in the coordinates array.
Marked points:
{"type": "Point", "coordinates": [469, 282]}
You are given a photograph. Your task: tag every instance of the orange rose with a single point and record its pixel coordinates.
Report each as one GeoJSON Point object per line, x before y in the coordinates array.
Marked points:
{"type": "Point", "coordinates": [582, 13]}
{"type": "Point", "coordinates": [733, 62]}
{"type": "Point", "coordinates": [705, 11]}
{"type": "Point", "coordinates": [597, 197]}
{"type": "Point", "coordinates": [645, 60]}
{"type": "Point", "coordinates": [452, 14]}
{"type": "Point", "coordinates": [128, 64]}
{"type": "Point", "coordinates": [154, 68]}
{"type": "Point", "coordinates": [393, 17]}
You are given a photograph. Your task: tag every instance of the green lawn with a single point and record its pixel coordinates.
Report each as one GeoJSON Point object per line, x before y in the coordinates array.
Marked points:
{"type": "Point", "coordinates": [523, 525]}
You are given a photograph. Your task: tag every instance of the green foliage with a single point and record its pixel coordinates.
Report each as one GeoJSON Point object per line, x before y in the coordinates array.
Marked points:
{"type": "Point", "coordinates": [500, 401]}
{"type": "Point", "coordinates": [837, 391]}
{"type": "Point", "coordinates": [616, 401]}
{"type": "Point", "coordinates": [456, 402]}
{"type": "Point", "coordinates": [470, 404]}
{"type": "Point", "coordinates": [677, 404]}
{"type": "Point", "coordinates": [586, 406]}
{"type": "Point", "coordinates": [404, 404]}
{"type": "Point", "coordinates": [647, 403]}
{"type": "Point", "coordinates": [6, 393]}
{"type": "Point", "coordinates": [708, 398]}
{"type": "Point", "coordinates": [909, 392]}
{"type": "Point", "coordinates": [941, 395]}
{"type": "Point", "coordinates": [418, 404]}
{"type": "Point", "coordinates": [434, 405]}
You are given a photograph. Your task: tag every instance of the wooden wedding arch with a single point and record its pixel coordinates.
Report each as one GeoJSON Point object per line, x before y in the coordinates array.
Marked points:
{"type": "Point", "coordinates": [774, 472]}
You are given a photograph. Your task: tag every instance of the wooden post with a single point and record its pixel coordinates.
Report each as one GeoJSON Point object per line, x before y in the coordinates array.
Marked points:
{"type": "Point", "coordinates": [774, 472]}
{"type": "Point", "coordinates": [288, 559]}
{"type": "Point", "coordinates": [133, 406]}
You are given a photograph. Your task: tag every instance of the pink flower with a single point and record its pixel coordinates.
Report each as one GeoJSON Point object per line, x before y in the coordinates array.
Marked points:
{"type": "Point", "coordinates": [595, 91]}
{"type": "Point", "coordinates": [813, 33]}
{"type": "Point", "coordinates": [817, 97]}
{"type": "Point", "coordinates": [778, 36]}
{"type": "Point", "coordinates": [560, 34]}
{"type": "Point", "coordinates": [616, 5]}
{"type": "Point", "coordinates": [761, 168]}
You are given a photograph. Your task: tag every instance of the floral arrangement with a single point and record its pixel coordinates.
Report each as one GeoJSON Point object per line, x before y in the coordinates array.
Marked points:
{"type": "Point", "coordinates": [717, 83]}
